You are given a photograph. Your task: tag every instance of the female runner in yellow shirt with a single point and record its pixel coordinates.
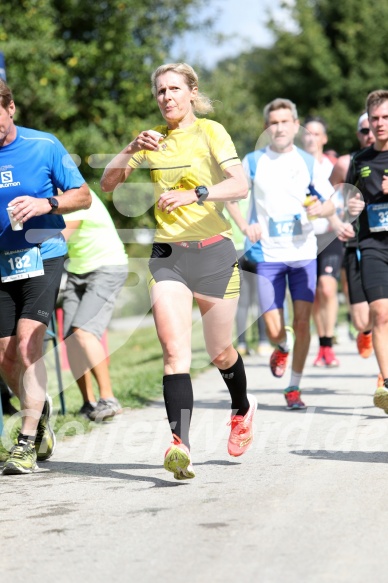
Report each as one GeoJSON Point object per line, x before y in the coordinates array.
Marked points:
{"type": "Point", "coordinates": [194, 168]}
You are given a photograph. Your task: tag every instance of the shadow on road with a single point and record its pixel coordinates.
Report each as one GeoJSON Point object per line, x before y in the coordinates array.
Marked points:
{"type": "Point", "coordinates": [116, 471]}
{"type": "Point", "coordinates": [372, 457]}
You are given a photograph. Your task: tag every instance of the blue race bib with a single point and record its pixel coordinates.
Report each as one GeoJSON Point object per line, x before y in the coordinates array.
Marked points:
{"type": "Point", "coordinates": [20, 264]}
{"type": "Point", "coordinates": [378, 217]}
{"type": "Point", "coordinates": [287, 226]}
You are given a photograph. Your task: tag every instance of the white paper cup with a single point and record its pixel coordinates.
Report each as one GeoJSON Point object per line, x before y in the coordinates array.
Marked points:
{"type": "Point", "coordinates": [157, 135]}
{"type": "Point", "coordinates": [15, 225]}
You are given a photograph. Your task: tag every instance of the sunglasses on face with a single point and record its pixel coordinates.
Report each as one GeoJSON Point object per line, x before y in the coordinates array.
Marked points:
{"type": "Point", "coordinates": [364, 131]}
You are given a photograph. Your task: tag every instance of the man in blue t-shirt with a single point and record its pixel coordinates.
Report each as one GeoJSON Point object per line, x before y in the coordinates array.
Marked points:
{"type": "Point", "coordinates": [33, 165]}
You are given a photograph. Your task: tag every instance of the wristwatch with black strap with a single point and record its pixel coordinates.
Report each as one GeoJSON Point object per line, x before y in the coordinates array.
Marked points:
{"type": "Point", "coordinates": [53, 202]}
{"type": "Point", "coordinates": [202, 194]}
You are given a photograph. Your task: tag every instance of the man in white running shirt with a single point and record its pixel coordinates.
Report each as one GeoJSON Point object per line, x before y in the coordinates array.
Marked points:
{"type": "Point", "coordinates": [281, 237]}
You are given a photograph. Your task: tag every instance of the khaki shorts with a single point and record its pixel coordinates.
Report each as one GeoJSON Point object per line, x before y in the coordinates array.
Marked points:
{"type": "Point", "coordinates": [89, 299]}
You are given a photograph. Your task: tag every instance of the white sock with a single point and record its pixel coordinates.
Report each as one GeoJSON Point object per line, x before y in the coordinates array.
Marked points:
{"type": "Point", "coordinates": [284, 346]}
{"type": "Point", "coordinates": [296, 377]}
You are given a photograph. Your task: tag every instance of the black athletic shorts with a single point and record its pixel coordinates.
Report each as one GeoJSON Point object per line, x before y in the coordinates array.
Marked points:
{"type": "Point", "coordinates": [211, 271]}
{"type": "Point", "coordinates": [247, 265]}
{"type": "Point", "coordinates": [33, 298]}
{"type": "Point", "coordinates": [353, 275]}
{"type": "Point", "coordinates": [329, 260]}
{"type": "Point", "coordinates": [374, 274]}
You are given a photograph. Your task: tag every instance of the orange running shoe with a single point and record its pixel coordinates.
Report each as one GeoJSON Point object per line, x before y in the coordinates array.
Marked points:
{"type": "Point", "coordinates": [241, 432]}
{"type": "Point", "coordinates": [177, 459]}
{"type": "Point", "coordinates": [364, 344]}
{"type": "Point", "coordinates": [278, 362]}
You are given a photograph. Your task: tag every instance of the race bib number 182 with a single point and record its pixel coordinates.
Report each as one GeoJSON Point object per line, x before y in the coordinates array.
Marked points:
{"type": "Point", "coordinates": [20, 264]}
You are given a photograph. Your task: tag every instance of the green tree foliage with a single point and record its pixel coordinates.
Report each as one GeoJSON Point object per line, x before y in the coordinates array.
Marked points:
{"type": "Point", "coordinates": [326, 59]}
{"type": "Point", "coordinates": [81, 69]}
{"type": "Point", "coordinates": [231, 86]}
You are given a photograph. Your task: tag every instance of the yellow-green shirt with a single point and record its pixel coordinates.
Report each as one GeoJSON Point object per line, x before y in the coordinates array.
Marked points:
{"type": "Point", "coordinates": [190, 157]}
{"type": "Point", "coordinates": [95, 243]}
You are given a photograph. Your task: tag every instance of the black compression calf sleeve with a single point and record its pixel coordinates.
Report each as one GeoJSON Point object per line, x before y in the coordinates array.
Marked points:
{"type": "Point", "coordinates": [236, 381]}
{"type": "Point", "coordinates": [178, 398]}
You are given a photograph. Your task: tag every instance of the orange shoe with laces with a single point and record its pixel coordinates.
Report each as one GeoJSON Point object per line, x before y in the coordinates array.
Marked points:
{"type": "Point", "coordinates": [364, 344]}
{"type": "Point", "coordinates": [177, 459]}
{"type": "Point", "coordinates": [278, 362]}
{"type": "Point", "coordinates": [241, 431]}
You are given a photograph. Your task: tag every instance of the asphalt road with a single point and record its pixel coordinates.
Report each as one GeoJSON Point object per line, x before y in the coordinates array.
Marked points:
{"type": "Point", "coordinates": [305, 504]}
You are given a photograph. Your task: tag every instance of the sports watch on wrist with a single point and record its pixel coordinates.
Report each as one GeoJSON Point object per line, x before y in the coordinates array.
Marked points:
{"type": "Point", "coordinates": [53, 202]}
{"type": "Point", "coordinates": [202, 194]}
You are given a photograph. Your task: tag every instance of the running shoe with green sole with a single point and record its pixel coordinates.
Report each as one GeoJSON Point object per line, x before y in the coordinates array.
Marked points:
{"type": "Point", "coordinates": [45, 440]}
{"type": "Point", "coordinates": [22, 460]}
{"type": "Point", "coordinates": [380, 398]}
{"type": "Point", "coordinates": [177, 460]}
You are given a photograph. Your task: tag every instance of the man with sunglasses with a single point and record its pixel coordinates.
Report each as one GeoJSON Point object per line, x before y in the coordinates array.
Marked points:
{"type": "Point", "coordinates": [368, 171]}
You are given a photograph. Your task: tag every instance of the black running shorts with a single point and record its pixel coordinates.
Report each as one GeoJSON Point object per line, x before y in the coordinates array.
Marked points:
{"type": "Point", "coordinates": [353, 275]}
{"type": "Point", "coordinates": [32, 298]}
{"type": "Point", "coordinates": [329, 260]}
{"type": "Point", "coordinates": [374, 274]}
{"type": "Point", "coordinates": [211, 271]}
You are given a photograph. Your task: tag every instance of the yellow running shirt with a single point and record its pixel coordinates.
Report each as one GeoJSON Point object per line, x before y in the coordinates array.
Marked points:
{"type": "Point", "coordinates": [189, 157]}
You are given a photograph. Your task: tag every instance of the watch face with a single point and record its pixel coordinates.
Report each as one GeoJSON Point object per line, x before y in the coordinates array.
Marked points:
{"type": "Point", "coordinates": [202, 194]}
{"type": "Point", "coordinates": [53, 202]}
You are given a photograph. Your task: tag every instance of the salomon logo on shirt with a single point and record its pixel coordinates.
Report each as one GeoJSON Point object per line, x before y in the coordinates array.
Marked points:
{"type": "Point", "coordinates": [6, 179]}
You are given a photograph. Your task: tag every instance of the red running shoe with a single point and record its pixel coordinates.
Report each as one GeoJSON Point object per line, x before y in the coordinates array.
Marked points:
{"type": "Point", "coordinates": [320, 359]}
{"type": "Point", "coordinates": [292, 395]}
{"type": "Point", "coordinates": [278, 362]}
{"type": "Point", "coordinates": [329, 356]}
{"type": "Point", "coordinates": [364, 344]}
{"type": "Point", "coordinates": [241, 431]}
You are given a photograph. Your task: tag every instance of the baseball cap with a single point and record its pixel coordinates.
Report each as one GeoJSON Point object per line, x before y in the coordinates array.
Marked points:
{"type": "Point", "coordinates": [362, 118]}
